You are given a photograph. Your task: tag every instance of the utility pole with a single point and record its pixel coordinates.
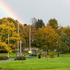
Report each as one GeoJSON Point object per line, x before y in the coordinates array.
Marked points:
{"type": "Point", "coordinates": [58, 47]}
{"type": "Point", "coordinates": [8, 39]}
{"type": "Point", "coordinates": [29, 37]}
{"type": "Point", "coordinates": [18, 41]}
{"type": "Point", "coordinates": [8, 44]}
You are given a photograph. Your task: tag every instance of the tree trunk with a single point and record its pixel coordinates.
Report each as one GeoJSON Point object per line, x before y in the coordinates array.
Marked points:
{"type": "Point", "coordinates": [63, 53]}
{"type": "Point", "coordinates": [53, 52]}
{"type": "Point", "coordinates": [47, 55]}
{"type": "Point", "coordinates": [47, 52]}
{"type": "Point", "coordinates": [69, 49]}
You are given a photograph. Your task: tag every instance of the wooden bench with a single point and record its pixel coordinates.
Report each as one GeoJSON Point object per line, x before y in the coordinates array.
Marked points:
{"type": "Point", "coordinates": [44, 56]}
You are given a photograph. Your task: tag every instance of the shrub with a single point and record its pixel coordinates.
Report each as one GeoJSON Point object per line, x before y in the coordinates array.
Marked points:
{"type": "Point", "coordinates": [51, 56]}
{"type": "Point", "coordinates": [20, 58]}
{"type": "Point", "coordinates": [3, 51]}
{"type": "Point", "coordinates": [34, 54]}
{"type": "Point", "coordinates": [3, 57]}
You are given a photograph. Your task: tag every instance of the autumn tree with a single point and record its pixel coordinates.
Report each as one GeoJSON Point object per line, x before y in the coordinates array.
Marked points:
{"type": "Point", "coordinates": [21, 31]}
{"type": "Point", "coordinates": [26, 33]}
{"type": "Point", "coordinates": [22, 36]}
{"type": "Point", "coordinates": [60, 30]}
{"type": "Point", "coordinates": [0, 21]}
{"type": "Point", "coordinates": [7, 30]}
{"type": "Point", "coordinates": [47, 37]}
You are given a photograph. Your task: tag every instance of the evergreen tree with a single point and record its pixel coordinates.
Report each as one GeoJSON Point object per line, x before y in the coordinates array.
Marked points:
{"type": "Point", "coordinates": [39, 24]}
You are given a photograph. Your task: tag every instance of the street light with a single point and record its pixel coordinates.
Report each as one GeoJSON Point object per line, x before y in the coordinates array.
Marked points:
{"type": "Point", "coordinates": [58, 47]}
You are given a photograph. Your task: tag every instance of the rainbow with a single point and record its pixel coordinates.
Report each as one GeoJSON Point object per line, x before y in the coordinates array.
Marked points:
{"type": "Point", "coordinates": [8, 11]}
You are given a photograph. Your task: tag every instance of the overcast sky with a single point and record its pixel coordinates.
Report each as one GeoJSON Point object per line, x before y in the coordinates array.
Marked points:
{"type": "Point", "coordinates": [40, 9]}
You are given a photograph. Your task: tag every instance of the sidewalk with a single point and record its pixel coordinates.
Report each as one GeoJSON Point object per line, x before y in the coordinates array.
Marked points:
{"type": "Point", "coordinates": [27, 57]}
{"type": "Point", "coordinates": [7, 60]}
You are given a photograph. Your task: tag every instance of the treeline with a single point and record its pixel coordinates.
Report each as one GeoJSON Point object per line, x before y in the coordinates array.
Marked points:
{"type": "Point", "coordinates": [41, 36]}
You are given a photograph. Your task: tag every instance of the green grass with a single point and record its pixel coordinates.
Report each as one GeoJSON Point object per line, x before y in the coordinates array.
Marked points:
{"type": "Point", "coordinates": [26, 54]}
{"type": "Point", "coordinates": [10, 55]}
{"type": "Point", "coordinates": [59, 63]}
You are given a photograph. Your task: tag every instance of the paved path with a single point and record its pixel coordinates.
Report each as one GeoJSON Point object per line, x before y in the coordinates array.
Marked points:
{"type": "Point", "coordinates": [27, 57]}
{"type": "Point", "coordinates": [7, 60]}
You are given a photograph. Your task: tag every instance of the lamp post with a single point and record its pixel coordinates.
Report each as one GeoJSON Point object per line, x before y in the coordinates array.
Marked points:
{"type": "Point", "coordinates": [58, 47]}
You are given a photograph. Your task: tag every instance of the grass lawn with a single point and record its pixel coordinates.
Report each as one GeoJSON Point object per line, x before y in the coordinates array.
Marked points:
{"type": "Point", "coordinates": [26, 54]}
{"type": "Point", "coordinates": [10, 55]}
{"type": "Point", "coordinates": [57, 63]}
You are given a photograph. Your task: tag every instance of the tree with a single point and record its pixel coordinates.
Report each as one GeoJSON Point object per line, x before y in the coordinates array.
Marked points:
{"type": "Point", "coordinates": [26, 33]}
{"type": "Point", "coordinates": [8, 30]}
{"type": "Point", "coordinates": [22, 36]}
{"type": "Point", "coordinates": [53, 23]}
{"type": "Point", "coordinates": [25, 24]}
{"type": "Point", "coordinates": [46, 37]}
{"type": "Point", "coordinates": [39, 24]}
{"type": "Point", "coordinates": [21, 31]}
{"type": "Point", "coordinates": [64, 41]}
{"type": "Point", "coordinates": [67, 31]}
{"type": "Point", "coordinates": [34, 20]}
{"type": "Point", "coordinates": [60, 30]}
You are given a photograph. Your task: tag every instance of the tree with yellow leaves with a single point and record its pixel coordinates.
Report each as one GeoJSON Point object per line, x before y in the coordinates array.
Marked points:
{"type": "Point", "coordinates": [7, 29]}
{"type": "Point", "coordinates": [46, 37]}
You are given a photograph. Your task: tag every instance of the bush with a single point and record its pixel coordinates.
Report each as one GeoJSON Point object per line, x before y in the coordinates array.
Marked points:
{"type": "Point", "coordinates": [20, 58]}
{"type": "Point", "coordinates": [3, 57]}
{"type": "Point", "coordinates": [51, 56]}
{"type": "Point", "coordinates": [34, 54]}
{"type": "Point", "coordinates": [3, 51]}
